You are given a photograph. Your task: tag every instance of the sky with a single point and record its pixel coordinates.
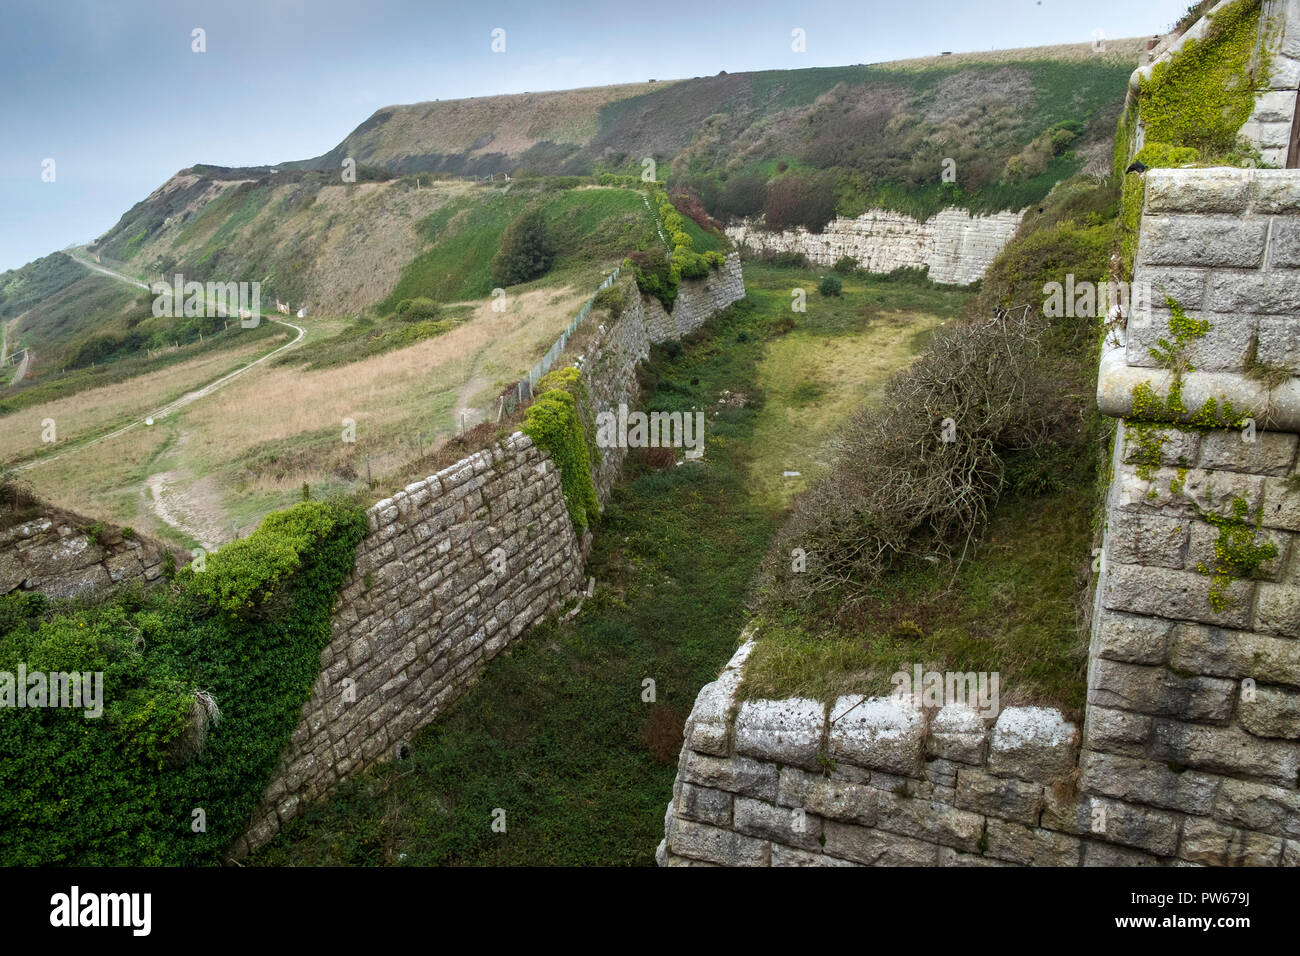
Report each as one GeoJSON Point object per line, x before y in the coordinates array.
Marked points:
{"type": "Point", "coordinates": [115, 94]}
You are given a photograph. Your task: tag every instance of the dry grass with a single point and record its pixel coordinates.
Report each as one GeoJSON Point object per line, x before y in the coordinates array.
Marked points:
{"type": "Point", "coordinates": [509, 124]}
{"type": "Point", "coordinates": [360, 236]}
{"type": "Point", "coordinates": [811, 384]}
{"type": "Point", "coordinates": [1125, 50]}
{"type": "Point", "coordinates": [95, 409]}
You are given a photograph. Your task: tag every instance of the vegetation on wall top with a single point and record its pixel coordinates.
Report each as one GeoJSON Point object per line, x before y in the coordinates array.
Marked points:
{"type": "Point", "coordinates": [203, 680]}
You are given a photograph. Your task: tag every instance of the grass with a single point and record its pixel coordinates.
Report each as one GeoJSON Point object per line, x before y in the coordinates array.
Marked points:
{"type": "Point", "coordinates": [96, 410]}
{"type": "Point", "coordinates": [556, 733]}
{"type": "Point", "coordinates": [589, 224]}
{"type": "Point", "coordinates": [1010, 609]}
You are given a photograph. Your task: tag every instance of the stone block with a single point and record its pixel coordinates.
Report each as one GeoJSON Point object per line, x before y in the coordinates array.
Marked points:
{"type": "Point", "coordinates": [1032, 743]}
{"type": "Point", "coordinates": [957, 733]}
{"type": "Point", "coordinates": [792, 826]}
{"type": "Point", "coordinates": [1259, 806]}
{"type": "Point", "coordinates": [1030, 846]}
{"type": "Point", "coordinates": [1157, 690]}
{"type": "Point", "coordinates": [1138, 780]}
{"type": "Point", "coordinates": [782, 731]}
{"type": "Point", "coordinates": [741, 775]}
{"type": "Point", "coordinates": [1004, 797]}
{"type": "Point", "coordinates": [1205, 841]}
{"type": "Point", "coordinates": [1271, 712]}
{"type": "Point", "coordinates": [1227, 750]}
{"type": "Point", "coordinates": [878, 733]}
{"type": "Point", "coordinates": [700, 841]}
{"type": "Point", "coordinates": [1132, 637]}
{"type": "Point", "coordinates": [1227, 653]}
{"type": "Point", "coordinates": [877, 847]}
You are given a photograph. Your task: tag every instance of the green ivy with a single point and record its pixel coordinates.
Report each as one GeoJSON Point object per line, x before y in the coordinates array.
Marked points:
{"type": "Point", "coordinates": [556, 423]}
{"type": "Point", "coordinates": [1202, 95]}
{"type": "Point", "coordinates": [120, 789]}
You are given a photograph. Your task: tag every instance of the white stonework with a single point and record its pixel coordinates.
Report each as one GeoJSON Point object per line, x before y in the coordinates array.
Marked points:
{"type": "Point", "coordinates": [956, 246]}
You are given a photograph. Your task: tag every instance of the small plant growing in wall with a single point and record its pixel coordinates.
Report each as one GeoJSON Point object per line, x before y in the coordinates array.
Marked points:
{"type": "Point", "coordinates": [1238, 552]}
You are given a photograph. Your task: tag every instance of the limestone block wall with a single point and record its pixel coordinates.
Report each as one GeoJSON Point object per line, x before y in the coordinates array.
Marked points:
{"type": "Point", "coordinates": [872, 782]}
{"type": "Point", "coordinates": [1269, 125]}
{"type": "Point", "coordinates": [55, 552]}
{"type": "Point", "coordinates": [609, 362]}
{"type": "Point", "coordinates": [455, 567]}
{"type": "Point", "coordinates": [956, 246]}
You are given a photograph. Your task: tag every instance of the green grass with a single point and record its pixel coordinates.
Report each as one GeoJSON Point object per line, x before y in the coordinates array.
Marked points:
{"type": "Point", "coordinates": [588, 224]}
{"type": "Point", "coordinates": [1010, 609]}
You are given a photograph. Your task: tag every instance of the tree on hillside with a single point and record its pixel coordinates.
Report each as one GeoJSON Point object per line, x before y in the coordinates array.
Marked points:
{"type": "Point", "coordinates": [527, 250]}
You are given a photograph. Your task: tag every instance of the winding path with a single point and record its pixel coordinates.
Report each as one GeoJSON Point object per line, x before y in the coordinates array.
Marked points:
{"type": "Point", "coordinates": [186, 399]}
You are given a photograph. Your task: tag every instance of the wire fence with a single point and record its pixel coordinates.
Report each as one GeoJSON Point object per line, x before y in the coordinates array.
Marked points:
{"type": "Point", "coordinates": [523, 389]}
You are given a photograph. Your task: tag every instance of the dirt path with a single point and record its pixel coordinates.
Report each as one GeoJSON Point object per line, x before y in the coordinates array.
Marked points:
{"type": "Point", "coordinates": [187, 398]}
{"type": "Point", "coordinates": [191, 508]}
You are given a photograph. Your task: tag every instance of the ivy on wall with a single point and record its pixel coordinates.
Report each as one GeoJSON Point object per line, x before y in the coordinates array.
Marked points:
{"type": "Point", "coordinates": [163, 777]}
{"type": "Point", "coordinates": [559, 421]}
{"type": "Point", "coordinates": [1203, 94]}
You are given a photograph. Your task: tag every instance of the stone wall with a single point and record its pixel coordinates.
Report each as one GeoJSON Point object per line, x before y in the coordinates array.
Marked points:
{"type": "Point", "coordinates": [609, 361]}
{"type": "Point", "coordinates": [62, 554]}
{"type": "Point", "coordinates": [956, 246]}
{"type": "Point", "coordinates": [454, 568]}
{"type": "Point", "coordinates": [871, 781]}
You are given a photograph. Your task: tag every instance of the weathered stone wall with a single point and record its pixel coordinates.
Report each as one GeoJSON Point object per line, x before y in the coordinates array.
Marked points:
{"type": "Point", "coordinates": [956, 246]}
{"type": "Point", "coordinates": [871, 781]}
{"type": "Point", "coordinates": [609, 361]}
{"type": "Point", "coordinates": [454, 568]}
{"type": "Point", "coordinates": [55, 552]}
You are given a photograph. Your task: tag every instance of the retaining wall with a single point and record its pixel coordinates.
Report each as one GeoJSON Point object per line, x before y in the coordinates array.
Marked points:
{"type": "Point", "coordinates": [454, 568]}
{"type": "Point", "coordinates": [956, 246]}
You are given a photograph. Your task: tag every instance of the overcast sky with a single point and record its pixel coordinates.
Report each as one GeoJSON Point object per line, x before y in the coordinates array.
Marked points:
{"type": "Point", "coordinates": [113, 93]}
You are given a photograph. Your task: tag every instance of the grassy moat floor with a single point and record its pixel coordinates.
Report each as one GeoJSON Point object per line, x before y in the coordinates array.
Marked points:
{"type": "Point", "coordinates": [557, 734]}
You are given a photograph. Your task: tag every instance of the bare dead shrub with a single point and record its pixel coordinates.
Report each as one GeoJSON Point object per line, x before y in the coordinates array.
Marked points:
{"type": "Point", "coordinates": [897, 488]}
{"type": "Point", "coordinates": [656, 459]}
{"type": "Point", "coordinates": [662, 733]}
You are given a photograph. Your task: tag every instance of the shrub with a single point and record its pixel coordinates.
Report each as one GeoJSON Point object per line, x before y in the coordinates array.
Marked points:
{"type": "Point", "coordinates": [689, 204]}
{"type": "Point", "coordinates": [845, 265]}
{"type": "Point", "coordinates": [800, 200]}
{"type": "Point", "coordinates": [830, 286]}
{"type": "Point", "coordinates": [611, 299]}
{"type": "Point", "coordinates": [417, 309]}
{"type": "Point", "coordinates": [527, 250]}
{"type": "Point", "coordinates": [896, 487]}
{"type": "Point", "coordinates": [554, 422]}
{"type": "Point", "coordinates": [742, 196]}
{"type": "Point", "coordinates": [655, 275]}
{"type": "Point", "coordinates": [120, 789]}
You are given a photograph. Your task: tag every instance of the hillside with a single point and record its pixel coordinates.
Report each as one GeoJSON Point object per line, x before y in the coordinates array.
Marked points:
{"type": "Point", "coordinates": [394, 269]}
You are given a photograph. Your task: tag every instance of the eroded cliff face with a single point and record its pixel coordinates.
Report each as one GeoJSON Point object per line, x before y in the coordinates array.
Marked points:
{"type": "Point", "coordinates": [956, 246]}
